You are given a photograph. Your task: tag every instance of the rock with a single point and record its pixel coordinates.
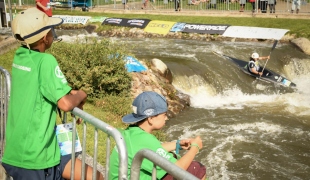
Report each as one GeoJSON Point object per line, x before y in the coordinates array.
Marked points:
{"type": "Point", "coordinates": [162, 69]}
{"type": "Point", "coordinates": [303, 44]}
{"type": "Point", "coordinates": [155, 79]}
{"type": "Point", "coordinates": [91, 28]}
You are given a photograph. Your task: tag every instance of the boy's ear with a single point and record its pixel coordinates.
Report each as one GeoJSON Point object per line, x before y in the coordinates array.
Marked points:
{"type": "Point", "coordinates": [150, 120]}
{"type": "Point", "coordinates": [44, 39]}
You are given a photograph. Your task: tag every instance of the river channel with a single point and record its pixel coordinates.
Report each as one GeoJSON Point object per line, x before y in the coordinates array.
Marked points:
{"type": "Point", "coordinates": [250, 129]}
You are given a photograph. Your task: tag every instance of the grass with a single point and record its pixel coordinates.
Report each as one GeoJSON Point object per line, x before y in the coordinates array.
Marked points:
{"type": "Point", "coordinates": [7, 59]}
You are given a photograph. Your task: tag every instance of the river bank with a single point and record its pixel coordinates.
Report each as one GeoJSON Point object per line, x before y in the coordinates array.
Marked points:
{"type": "Point", "coordinates": [7, 41]}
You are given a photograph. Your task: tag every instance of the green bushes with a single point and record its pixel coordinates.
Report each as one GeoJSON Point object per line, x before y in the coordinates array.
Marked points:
{"type": "Point", "coordinates": [97, 67]}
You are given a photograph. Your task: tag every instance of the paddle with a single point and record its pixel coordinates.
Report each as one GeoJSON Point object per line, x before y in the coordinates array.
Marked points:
{"type": "Point", "coordinates": [273, 47]}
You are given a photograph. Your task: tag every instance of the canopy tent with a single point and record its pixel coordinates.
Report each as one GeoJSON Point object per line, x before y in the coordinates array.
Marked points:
{"type": "Point", "coordinates": [254, 32]}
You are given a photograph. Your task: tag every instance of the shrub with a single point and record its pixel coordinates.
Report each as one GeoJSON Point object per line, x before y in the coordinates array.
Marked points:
{"type": "Point", "coordinates": [97, 67]}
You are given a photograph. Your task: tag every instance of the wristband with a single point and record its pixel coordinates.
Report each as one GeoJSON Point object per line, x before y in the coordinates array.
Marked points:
{"type": "Point", "coordinates": [195, 145]}
{"type": "Point", "coordinates": [178, 147]}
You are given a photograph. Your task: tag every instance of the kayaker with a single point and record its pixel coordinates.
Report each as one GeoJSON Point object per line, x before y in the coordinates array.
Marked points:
{"type": "Point", "coordinates": [253, 65]}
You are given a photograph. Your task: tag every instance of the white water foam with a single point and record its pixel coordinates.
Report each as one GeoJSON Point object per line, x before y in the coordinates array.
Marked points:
{"type": "Point", "coordinates": [229, 99]}
{"type": "Point", "coordinates": [218, 158]}
{"type": "Point", "coordinates": [205, 96]}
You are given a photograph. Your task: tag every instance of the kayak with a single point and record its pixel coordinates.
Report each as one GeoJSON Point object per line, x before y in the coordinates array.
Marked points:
{"type": "Point", "coordinates": [268, 75]}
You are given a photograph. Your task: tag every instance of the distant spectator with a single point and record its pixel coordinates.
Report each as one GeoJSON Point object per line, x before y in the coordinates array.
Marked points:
{"type": "Point", "coordinates": [258, 5]}
{"type": "Point", "coordinates": [263, 6]}
{"type": "Point", "coordinates": [211, 4]}
{"type": "Point", "coordinates": [242, 5]}
{"type": "Point", "coordinates": [44, 6]}
{"type": "Point", "coordinates": [177, 5]}
{"type": "Point", "coordinates": [125, 4]}
{"type": "Point", "coordinates": [195, 2]}
{"type": "Point", "coordinates": [253, 5]}
{"type": "Point", "coordinates": [144, 4]}
{"type": "Point", "coordinates": [295, 5]}
{"type": "Point", "coordinates": [272, 5]}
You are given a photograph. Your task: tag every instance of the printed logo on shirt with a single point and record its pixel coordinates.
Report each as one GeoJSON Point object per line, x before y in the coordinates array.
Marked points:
{"type": "Point", "coordinates": [60, 75]}
{"type": "Point", "coordinates": [163, 153]}
{"type": "Point", "coordinates": [24, 68]}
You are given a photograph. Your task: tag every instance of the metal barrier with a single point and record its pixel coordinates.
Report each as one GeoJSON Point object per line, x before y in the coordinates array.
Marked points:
{"type": "Point", "coordinates": [111, 131]}
{"type": "Point", "coordinates": [5, 86]}
{"type": "Point", "coordinates": [158, 160]}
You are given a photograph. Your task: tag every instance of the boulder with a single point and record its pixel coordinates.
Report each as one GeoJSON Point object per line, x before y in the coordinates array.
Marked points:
{"type": "Point", "coordinates": [162, 69]}
{"type": "Point", "coordinates": [303, 44]}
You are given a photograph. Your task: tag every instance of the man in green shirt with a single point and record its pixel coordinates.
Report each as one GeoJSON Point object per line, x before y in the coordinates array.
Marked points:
{"type": "Point", "coordinates": [149, 114]}
{"type": "Point", "coordinates": [38, 89]}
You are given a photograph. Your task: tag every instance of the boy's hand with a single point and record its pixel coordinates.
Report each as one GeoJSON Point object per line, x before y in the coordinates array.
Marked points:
{"type": "Point", "coordinates": [197, 141]}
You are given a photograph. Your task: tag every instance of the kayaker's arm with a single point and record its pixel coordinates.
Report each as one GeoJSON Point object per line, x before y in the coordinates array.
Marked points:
{"type": "Point", "coordinates": [264, 58]}
{"type": "Point", "coordinates": [253, 70]}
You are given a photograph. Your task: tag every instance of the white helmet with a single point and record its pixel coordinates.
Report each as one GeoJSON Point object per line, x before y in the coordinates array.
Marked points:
{"type": "Point", "coordinates": [255, 55]}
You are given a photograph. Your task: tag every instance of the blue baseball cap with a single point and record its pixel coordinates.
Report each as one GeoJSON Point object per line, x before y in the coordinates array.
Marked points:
{"type": "Point", "coordinates": [145, 105]}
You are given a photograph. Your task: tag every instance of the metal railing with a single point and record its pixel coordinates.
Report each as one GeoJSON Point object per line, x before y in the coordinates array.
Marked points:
{"type": "Point", "coordinates": [158, 160]}
{"type": "Point", "coordinates": [111, 131]}
{"type": "Point", "coordinates": [5, 86]}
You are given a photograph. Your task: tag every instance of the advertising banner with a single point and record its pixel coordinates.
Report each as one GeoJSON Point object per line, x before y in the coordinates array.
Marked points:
{"type": "Point", "coordinates": [255, 32]}
{"type": "Point", "coordinates": [115, 21]}
{"type": "Point", "coordinates": [205, 28]}
{"type": "Point", "coordinates": [73, 19]}
{"type": "Point", "coordinates": [159, 27]}
{"type": "Point", "coordinates": [178, 27]}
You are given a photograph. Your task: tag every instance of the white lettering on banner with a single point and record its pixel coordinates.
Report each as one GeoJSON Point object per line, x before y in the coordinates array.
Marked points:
{"type": "Point", "coordinates": [74, 19]}
{"type": "Point", "coordinates": [117, 21]}
{"type": "Point", "coordinates": [137, 24]}
{"type": "Point", "coordinates": [205, 27]}
{"type": "Point", "coordinates": [24, 68]}
{"type": "Point", "coordinates": [136, 21]}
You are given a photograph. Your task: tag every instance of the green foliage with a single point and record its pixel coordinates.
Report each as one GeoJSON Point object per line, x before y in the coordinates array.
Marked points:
{"type": "Point", "coordinates": [97, 67]}
{"type": "Point", "coordinates": [6, 60]}
{"type": "Point", "coordinates": [120, 106]}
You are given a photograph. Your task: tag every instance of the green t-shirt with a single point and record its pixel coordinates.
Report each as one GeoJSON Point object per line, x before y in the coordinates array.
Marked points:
{"type": "Point", "coordinates": [137, 139]}
{"type": "Point", "coordinates": [37, 85]}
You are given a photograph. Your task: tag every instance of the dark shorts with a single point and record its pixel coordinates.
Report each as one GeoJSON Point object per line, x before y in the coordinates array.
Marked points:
{"type": "Point", "coordinates": [52, 173]}
{"type": "Point", "coordinates": [195, 168]}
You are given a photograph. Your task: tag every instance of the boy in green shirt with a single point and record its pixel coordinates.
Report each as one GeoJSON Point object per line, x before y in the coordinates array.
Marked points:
{"type": "Point", "coordinates": [149, 113]}
{"type": "Point", "coordinates": [38, 89]}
